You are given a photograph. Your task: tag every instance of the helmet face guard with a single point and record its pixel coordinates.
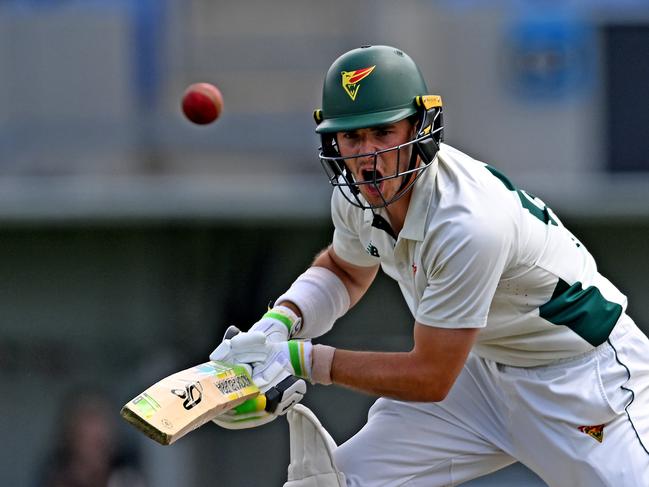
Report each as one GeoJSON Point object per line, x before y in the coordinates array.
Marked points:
{"type": "Point", "coordinates": [422, 147]}
{"type": "Point", "coordinates": [374, 86]}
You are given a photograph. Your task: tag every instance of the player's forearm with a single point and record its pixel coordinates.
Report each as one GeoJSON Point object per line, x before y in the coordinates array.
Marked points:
{"type": "Point", "coordinates": [426, 373]}
{"type": "Point", "coordinates": [398, 375]}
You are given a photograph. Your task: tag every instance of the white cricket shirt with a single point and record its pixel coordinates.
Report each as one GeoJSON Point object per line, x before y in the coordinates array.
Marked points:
{"type": "Point", "coordinates": [475, 251]}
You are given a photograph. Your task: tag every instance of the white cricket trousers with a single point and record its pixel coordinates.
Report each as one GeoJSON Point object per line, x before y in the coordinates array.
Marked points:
{"type": "Point", "coordinates": [582, 421]}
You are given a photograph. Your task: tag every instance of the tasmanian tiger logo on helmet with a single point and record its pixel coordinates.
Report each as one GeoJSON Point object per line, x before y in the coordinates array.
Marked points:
{"type": "Point", "coordinates": [351, 80]}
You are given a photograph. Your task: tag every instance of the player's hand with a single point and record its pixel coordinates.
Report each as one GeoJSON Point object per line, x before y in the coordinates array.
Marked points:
{"type": "Point", "coordinates": [278, 324]}
{"type": "Point", "coordinates": [243, 348]}
{"type": "Point", "coordinates": [278, 394]}
{"type": "Point", "coordinates": [221, 352]}
{"type": "Point", "coordinates": [292, 357]}
{"type": "Point", "coordinates": [270, 360]}
{"type": "Point", "coordinates": [274, 402]}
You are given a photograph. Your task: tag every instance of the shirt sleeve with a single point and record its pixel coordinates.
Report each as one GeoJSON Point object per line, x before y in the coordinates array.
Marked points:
{"type": "Point", "coordinates": [463, 271]}
{"type": "Point", "coordinates": [347, 244]}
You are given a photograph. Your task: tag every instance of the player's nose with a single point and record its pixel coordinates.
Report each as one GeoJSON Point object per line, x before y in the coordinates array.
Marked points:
{"type": "Point", "coordinates": [367, 144]}
{"type": "Point", "coordinates": [366, 148]}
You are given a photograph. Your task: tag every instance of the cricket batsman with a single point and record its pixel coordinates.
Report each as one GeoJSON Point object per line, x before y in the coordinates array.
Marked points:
{"type": "Point", "coordinates": [522, 350]}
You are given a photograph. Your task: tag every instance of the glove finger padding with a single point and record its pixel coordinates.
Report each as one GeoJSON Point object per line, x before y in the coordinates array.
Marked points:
{"type": "Point", "coordinates": [242, 348]}
{"type": "Point", "coordinates": [222, 351]}
{"type": "Point", "coordinates": [312, 461]}
{"type": "Point", "coordinates": [265, 374]}
{"type": "Point", "coordinates": [231, 332]}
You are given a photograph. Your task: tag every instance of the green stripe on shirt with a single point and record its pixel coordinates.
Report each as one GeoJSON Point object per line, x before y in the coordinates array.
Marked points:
{"type": "Point", "coordinates": [584, 311]}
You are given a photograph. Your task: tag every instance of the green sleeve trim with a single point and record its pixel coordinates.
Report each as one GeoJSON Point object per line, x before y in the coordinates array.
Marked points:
{"type": "Point", "coordinates": [294, 353]}
{"type": "Point", "coordinates": [285, 320]}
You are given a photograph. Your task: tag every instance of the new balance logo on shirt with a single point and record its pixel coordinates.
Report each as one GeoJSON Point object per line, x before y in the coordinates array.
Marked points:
{"type": "Point", "coordinates": [372, 250]}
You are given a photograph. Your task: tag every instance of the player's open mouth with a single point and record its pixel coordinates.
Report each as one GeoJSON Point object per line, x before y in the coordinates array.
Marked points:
{"type": "Point", "coordinates": [373, 183]}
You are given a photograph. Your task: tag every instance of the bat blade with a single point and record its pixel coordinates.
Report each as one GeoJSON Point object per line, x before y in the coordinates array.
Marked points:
{"type": "Point", "coordinates": [181, 402]}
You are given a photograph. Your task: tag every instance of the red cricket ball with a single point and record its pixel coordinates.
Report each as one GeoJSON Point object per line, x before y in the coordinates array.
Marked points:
{"type": "Point", "coordinates": [202, 103]}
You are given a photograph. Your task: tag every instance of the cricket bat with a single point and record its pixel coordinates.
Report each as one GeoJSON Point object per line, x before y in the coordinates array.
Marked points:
{"type": "Point", "coordinates": [181, 402]}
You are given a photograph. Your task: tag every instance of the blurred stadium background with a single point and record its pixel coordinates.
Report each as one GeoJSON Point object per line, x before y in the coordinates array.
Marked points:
{"type": "Point", "coordinates": [130, 239]}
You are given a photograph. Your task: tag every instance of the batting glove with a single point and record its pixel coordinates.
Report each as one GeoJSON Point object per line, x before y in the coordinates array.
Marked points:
{"type": "Point", "coordinates": [278, 394]}
{"type": "Point", "coordinates": [278, 324]}
{"type": "Point", "coordinates": [269, 360]}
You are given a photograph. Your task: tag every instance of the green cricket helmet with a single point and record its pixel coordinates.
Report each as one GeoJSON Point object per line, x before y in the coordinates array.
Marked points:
{"type": "Point", "coordinates": [373, 86]}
